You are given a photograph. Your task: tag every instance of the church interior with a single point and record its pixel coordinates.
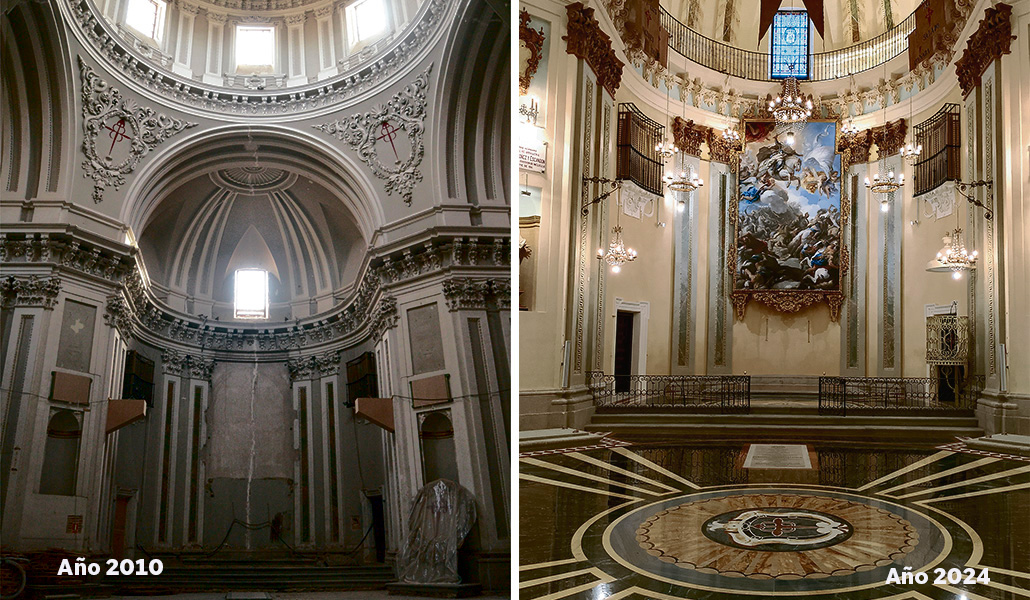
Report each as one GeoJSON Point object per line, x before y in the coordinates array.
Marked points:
{"type": "Point", "coordinates": [773, 296]}
{"type": "Point", "coordinates": [256, 293]}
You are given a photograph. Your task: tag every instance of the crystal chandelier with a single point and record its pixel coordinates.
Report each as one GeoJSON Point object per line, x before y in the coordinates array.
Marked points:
{"type": "Point", "coordinates": [790, 105]}
{"type": "Point", "coordinates": [954, 256]}
{"type": "Point", "coordinates": [684, 182]}
{"type": "Point", "coordinates": [849, 128]}
{"type": "Point", "coordinates": [730, 134]}
{"type": "Point", "coordinates": [618, 254]}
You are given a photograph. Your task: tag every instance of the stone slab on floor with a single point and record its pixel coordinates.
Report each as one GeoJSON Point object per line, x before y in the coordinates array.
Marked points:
{"type": "Point", "coordinates": [1005, 443]}
{"type": "Point", "coordinates": [435, 590]}
{"type": "Point", "coordinates": [553, 439]}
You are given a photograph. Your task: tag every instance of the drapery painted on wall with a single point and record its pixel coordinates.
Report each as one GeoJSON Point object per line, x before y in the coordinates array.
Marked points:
{"type": "Point", "coordinates": [789, 251]}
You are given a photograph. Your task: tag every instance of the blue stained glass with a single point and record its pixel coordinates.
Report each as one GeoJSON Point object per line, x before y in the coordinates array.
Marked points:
{"type": "Point", "coordinates": [789, 45]}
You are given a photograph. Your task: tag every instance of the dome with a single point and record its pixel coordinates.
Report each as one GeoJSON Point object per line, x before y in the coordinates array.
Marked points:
{"type": "Point", "coordinates": [250, 217]}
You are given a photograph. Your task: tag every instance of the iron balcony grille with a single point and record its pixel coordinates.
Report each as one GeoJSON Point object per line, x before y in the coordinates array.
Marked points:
{"type": "Point", "coordinates": [705, 393]}
{"type": "Point", "coordinates": [637, 160]}
{"type": "Point", "coordinates": [822, 66]}
{"type": "Point", "coordinates": [941, 138]}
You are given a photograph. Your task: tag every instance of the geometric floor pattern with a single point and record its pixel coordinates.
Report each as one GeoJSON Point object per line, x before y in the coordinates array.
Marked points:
{"type": "Point", "coordinates": [673, 521]}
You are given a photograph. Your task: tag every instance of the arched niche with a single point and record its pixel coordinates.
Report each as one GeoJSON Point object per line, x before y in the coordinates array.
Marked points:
{"type": "Point", "coordinates": [439, 460]}
{"type": "Point", "coordinates": [61, 454]}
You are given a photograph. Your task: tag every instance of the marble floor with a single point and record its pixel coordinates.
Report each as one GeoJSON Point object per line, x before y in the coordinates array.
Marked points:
{"type": "Point", "coordinates": [675, 521]}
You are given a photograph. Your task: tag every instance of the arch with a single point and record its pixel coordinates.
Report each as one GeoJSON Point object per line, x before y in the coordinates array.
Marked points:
{"type": "Point", "coordinates": [37, 102]}
{"type": "Point", "coordinates": [439, 460]}
{"type": "Point", "coordinates": [61, 454]}
{"type": "Point", "coordinates": [280, 147]}
{"type": "Point", "coordinates": [475, 89]}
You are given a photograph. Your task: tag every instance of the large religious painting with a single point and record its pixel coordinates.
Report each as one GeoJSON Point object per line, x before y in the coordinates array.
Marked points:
{"type": "Point", "coordinates": [789, 251]}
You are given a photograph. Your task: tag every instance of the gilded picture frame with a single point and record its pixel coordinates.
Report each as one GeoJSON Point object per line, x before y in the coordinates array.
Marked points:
{"type": "Point", "coordinates": [789, 215]}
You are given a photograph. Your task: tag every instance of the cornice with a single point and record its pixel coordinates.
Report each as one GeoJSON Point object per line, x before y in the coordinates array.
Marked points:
{"type": "Point", "coordinates": [133, 66]}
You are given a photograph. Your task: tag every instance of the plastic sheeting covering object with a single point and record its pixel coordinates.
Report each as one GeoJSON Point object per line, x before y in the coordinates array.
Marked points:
{"type": "Point", "coordinates": [440, 518]}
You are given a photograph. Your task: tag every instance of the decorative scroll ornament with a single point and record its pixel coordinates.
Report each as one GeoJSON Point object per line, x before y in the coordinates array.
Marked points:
{"type": "Point", "coordinates": [314, 366]}
{"type": "Point", "coordinates": [118, 132]}
{"type": "Point", "coordinates": [689, 136]}
{"type": "Point", "coordinates": [532, 40]}
{"type": "Point", "coordinates": [468, 293]}
{"type": "Point", "coordinates": [992, 39]}
{"type": "Point", "coordinates": [405, 112]}
{"type": "Point", "coordinates": [890, 137]}
{"type": "Point", "coordinates": [790, 303]}
{"type": "Point", "coordinates": [586, 40]}
{"type": "Point", "coordinates": [186, 365]}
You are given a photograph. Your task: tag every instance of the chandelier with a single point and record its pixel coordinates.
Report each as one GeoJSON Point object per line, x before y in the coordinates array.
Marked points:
{"type": "Point", "coordinates": [730, 134]}
{"type": "Point", "coordinates": [683, 182]}
{"type": "Point", "coordinates": [618, 254]}
{"type": "Point", "coordinates": [954, 256]}
{"type": "Point", "coordinates": [849, 128]}
{"type": "Point", "coordinates": [790, 105]}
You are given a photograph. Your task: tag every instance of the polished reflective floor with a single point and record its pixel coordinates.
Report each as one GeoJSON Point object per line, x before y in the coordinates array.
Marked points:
{"type": "Point", "coordinates": [812, 520]}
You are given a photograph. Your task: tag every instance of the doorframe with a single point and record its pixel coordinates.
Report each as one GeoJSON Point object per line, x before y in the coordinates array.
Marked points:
{"type": "Point", "coordinates": [641, 313]}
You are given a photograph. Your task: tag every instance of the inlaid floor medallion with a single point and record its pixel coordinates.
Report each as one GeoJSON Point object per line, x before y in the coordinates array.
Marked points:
{"type": "Point", "coordinates": [784, 536]}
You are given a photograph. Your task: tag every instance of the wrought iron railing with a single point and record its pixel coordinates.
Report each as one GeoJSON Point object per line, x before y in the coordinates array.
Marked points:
{"type": "Point", "coordinates": [837, 395]}
{"type": "Point", "coordinates": [941, 138]}
{"type": "Point", "coordinates": [715, 393]}
{"type": "Point", "coordinates": [823, 66]}
{"type": "Point", "coordinates": [637, 160]}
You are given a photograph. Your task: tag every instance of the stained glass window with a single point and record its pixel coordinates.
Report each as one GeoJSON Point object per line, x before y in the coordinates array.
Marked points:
{"type": "Point", "coordinates": [789, 45]}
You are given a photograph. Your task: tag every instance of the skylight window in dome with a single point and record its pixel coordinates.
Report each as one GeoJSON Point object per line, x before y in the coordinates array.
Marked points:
{"type": "Point", "coordinates": [366, 20]}
{"type": "Point", "coordinates": [255, 49]}
{"type": "Point", "coordinates": [251, 294]}
{"type": "Point", "coordinates": [147, 17]}
{"type": "Point", "coordinates": [789, 45]}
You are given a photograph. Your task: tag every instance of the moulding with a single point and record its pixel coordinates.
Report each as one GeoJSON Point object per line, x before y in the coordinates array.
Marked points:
{"type": "Point", "coordinates": [689, 136]}
{"type": "Point", "coordinates": [32, 291]}
{"type": "Point", "coordinates": [585, 39]}
{"type": "Point", "coordinates": [466, 293]}
{"type": "Point", "coordinates": [314, 366]}
{"type": "Point", "coordinates": [372, 70]}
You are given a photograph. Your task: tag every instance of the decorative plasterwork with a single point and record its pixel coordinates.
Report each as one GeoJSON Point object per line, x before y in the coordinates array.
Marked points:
{"type": "Point", "coordinates": [586, 40]}
{"type": "Point", "coordinates": [32, 291]}
{"type": "Point", "coordinates": [190, 366]}
{"type": "Point", "coordinates": [533, 40]}
{"type": "Point", "coordinates": [938, 202]}
{"type": "Point", "coordinates": [790, 303]}
{"type": "Point", "coordinates": [314, 366]}
{"type": "Point", "coordinates": [636, 201]}
{"type": "Point", "coordinates": [720, 149]}
{"type": "Point", "coordinates": [464, 293]}
{"type": "Point", "coordinates": [688, 136]}
{"type": "Point", "coordinates": [989, 42]}
{"type": "Point", "coordinates": [858, 145]}
{"type": "Point", "coordinates": [106, 115]}
{"type": "Point", "coordinates": [364, 132]}
{"type": "Point", "coordinates": [356, 77]}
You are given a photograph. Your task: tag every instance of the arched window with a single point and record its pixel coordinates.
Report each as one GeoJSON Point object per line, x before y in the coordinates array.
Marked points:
{"type": "Point", "coordinates": [61, 454]}
{"type": "Point", "coordinates": [250, 299]}
{"type": "Point", "coordinates": [789, 45]}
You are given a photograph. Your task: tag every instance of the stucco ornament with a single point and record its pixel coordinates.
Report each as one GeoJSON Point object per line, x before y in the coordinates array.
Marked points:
{"type": "Point", "coordinates": [374, 136]}
{"type": "Point", "coordinates": [118, 132]}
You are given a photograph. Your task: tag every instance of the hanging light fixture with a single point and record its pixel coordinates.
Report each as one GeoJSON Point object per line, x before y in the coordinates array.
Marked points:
{"type": "Point", "coordinates": [891, 183]}
{"type": "Point", "coordinates": [790, 105]}
{"type": "Point", "coordinates": [730, 134]}
{"type": "Point", "coordinates": [910, 153]}
{"type": "Point", "coordinates": [685, 182]}
{"type": "Point", "coordinates": [953, 256]}
{"type": "Point", "coordinates": [667, 149]}
{"type": "Point", "coordinates": [618, 254]}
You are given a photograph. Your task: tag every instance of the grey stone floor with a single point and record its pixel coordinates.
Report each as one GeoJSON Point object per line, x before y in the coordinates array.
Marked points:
{"type": "Point", "coordinates": [363, 595]}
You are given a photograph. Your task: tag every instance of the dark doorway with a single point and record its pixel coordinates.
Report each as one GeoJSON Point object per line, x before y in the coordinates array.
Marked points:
{"type": "Point", "coordinates": [623, 350]}
{"type": "Point", "coordinates": [378, 526]}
